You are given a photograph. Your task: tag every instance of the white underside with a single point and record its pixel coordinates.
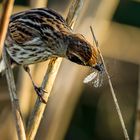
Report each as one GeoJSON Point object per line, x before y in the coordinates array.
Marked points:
{"type": "Point", "coordinates": [27, 58]}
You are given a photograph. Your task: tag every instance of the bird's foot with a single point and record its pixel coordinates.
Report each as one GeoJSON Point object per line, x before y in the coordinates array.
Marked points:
{"type": "Point", "coordinates": [40, 91]}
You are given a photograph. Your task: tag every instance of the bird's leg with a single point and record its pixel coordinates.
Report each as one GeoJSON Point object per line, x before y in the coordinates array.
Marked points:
{"type": "Point", "coordinates": [39, 90]}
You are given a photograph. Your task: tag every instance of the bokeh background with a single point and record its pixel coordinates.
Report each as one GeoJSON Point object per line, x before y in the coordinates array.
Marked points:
{"type": "Point", "coordinates": [78, 111]}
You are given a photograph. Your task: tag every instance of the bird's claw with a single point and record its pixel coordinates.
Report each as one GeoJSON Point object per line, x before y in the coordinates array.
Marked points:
{"type": "Point", "coordinates": [40, 91]}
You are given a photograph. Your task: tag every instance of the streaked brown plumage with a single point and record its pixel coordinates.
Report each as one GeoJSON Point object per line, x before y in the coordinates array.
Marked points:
{"type": "Point", "coordinates": [39, 34]}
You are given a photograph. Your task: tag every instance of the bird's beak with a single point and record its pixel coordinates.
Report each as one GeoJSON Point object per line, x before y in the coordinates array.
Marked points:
{"type": "Point", "coordinates": [99, 67]}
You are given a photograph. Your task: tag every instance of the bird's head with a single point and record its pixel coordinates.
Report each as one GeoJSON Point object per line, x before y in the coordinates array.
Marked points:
{"type": "Point", "coordinates": [80, 51]}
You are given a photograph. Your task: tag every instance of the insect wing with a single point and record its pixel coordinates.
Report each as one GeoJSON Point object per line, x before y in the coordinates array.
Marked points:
{"type": "Point", "coordinates": [90, 77]}
{"type": "Point", "coordinates": [96, 78]}
{"type": "Point", "coordinates": [98, 81]}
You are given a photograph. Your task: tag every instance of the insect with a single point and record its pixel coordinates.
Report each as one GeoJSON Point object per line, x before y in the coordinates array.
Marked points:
{"type": "Point", "coordinates": [96, 77]}
{"type": "Point", "coordinates": [37, 35]}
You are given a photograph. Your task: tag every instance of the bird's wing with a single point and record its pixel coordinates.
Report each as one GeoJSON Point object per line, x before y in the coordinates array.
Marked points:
{"type": "Point", "coordinates": [21, 33]}
{"type": "Point", "coordinates": [28, 26]}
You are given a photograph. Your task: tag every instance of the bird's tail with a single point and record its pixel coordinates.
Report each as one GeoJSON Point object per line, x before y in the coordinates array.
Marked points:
{"type": "Point", "coordinates": [2, 66]}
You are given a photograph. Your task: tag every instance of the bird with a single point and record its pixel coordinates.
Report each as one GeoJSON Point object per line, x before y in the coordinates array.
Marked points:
{"type": "Point", "coordinates": [39, 34]}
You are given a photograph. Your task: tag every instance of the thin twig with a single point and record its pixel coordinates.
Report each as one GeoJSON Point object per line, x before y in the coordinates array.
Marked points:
{"type": "Point", "coordinates": [7, 10]}
{"type": "Point", "coordinates": [8, 6]}
{"type": "Point", "coordinates": [111, 88]}
{"type": "Point", "coordinates": [49, 78]}
{"type": "Point", "coordinates": [13, 97]}
{"type": "Point", "coordinates": [73, 13]}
